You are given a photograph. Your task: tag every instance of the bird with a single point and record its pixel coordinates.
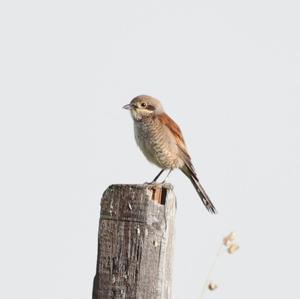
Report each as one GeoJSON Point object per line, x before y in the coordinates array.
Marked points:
{"type": "Point", "coordinates": [161, 141]}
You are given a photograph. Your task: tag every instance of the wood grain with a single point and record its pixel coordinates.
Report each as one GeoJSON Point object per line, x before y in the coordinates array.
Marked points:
{"type": "Point", "coordinates": [135, 242]}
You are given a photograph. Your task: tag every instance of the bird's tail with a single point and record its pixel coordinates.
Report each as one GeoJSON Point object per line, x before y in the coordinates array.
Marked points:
{"type": "Point", "coordinates": [189, 171]}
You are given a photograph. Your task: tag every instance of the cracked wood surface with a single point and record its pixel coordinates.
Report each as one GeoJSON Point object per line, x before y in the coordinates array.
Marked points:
{"type": "Point", "coordinates": [135, 242]}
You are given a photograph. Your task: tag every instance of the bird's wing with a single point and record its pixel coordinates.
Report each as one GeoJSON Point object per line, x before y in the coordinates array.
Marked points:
{"type": "Point", "coordinates": [188, 168]}
{"type": "Point", "coordinates": [166, 120]}
{"type": "Point", "coordinates": [175, 130]}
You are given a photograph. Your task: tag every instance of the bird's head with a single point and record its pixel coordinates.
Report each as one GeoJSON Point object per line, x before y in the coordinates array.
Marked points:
{"type": "Point", "coordinates": [144, 106]}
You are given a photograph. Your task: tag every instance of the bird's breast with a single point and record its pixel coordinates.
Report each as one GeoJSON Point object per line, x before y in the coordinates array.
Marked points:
{"type": "Point", "coordinates": [157, 143]}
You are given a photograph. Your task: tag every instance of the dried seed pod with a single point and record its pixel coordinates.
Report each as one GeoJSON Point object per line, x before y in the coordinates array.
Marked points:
{"type": "Point", "coordinates": [233, 248]}
{"type": "Point", "coordinates": [226, 242]}
{"type": "Point", "coordinates": [229, 238]}
{"type": "Point", "coordinates": [212, 286]}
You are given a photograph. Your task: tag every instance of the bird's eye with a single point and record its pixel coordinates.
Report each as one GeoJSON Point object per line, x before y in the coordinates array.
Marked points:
{"type": "Point", "coordinates": [143, 105]}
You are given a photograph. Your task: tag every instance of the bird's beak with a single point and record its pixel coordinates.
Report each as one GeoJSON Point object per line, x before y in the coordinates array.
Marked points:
{"type": "Point", "coordinates": [128, 107]}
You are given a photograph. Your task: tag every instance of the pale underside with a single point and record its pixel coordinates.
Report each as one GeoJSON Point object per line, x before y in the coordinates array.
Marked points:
{"type": "Point", "coordinates": [158, 144]}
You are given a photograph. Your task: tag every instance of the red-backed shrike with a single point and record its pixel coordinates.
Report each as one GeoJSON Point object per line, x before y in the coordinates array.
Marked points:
{"type": "Point", "coordinates": [161, 141]}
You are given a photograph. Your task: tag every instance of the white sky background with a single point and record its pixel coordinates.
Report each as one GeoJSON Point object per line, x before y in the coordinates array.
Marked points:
{"type": "Point", "coordinates": [227, 71]}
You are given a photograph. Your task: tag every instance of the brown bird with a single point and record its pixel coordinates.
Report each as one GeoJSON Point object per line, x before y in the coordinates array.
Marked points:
{"type": "Point", "coordinates": [161, 141]}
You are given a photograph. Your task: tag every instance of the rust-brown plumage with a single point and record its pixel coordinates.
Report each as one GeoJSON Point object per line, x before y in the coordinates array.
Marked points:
{"type": "Point", "coordinates": [167, 121]}
{"type": "Point", "coordinates": [161, 140]}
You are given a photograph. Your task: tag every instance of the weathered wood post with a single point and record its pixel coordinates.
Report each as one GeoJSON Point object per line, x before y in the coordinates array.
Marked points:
{"type": "Point", "coordinates": [135, 242]}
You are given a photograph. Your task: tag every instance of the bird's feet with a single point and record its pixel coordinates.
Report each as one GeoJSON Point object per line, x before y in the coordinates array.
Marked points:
{"type": "Point", "coordinates": [152, 183]}
{"type": "Point", "coordinates": [156, 178]}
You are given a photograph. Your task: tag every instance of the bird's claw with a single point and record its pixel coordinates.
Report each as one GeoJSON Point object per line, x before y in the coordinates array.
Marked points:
{"type": "Point", "coordinates": [151, 183]}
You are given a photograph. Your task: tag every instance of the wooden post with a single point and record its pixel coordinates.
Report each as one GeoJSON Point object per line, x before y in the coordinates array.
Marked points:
{"type": "Point", "coordinates": [135, 242]}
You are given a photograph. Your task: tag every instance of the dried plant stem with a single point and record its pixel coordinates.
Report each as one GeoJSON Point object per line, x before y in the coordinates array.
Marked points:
{"type": "Point", "coordinates": [211, 270]}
